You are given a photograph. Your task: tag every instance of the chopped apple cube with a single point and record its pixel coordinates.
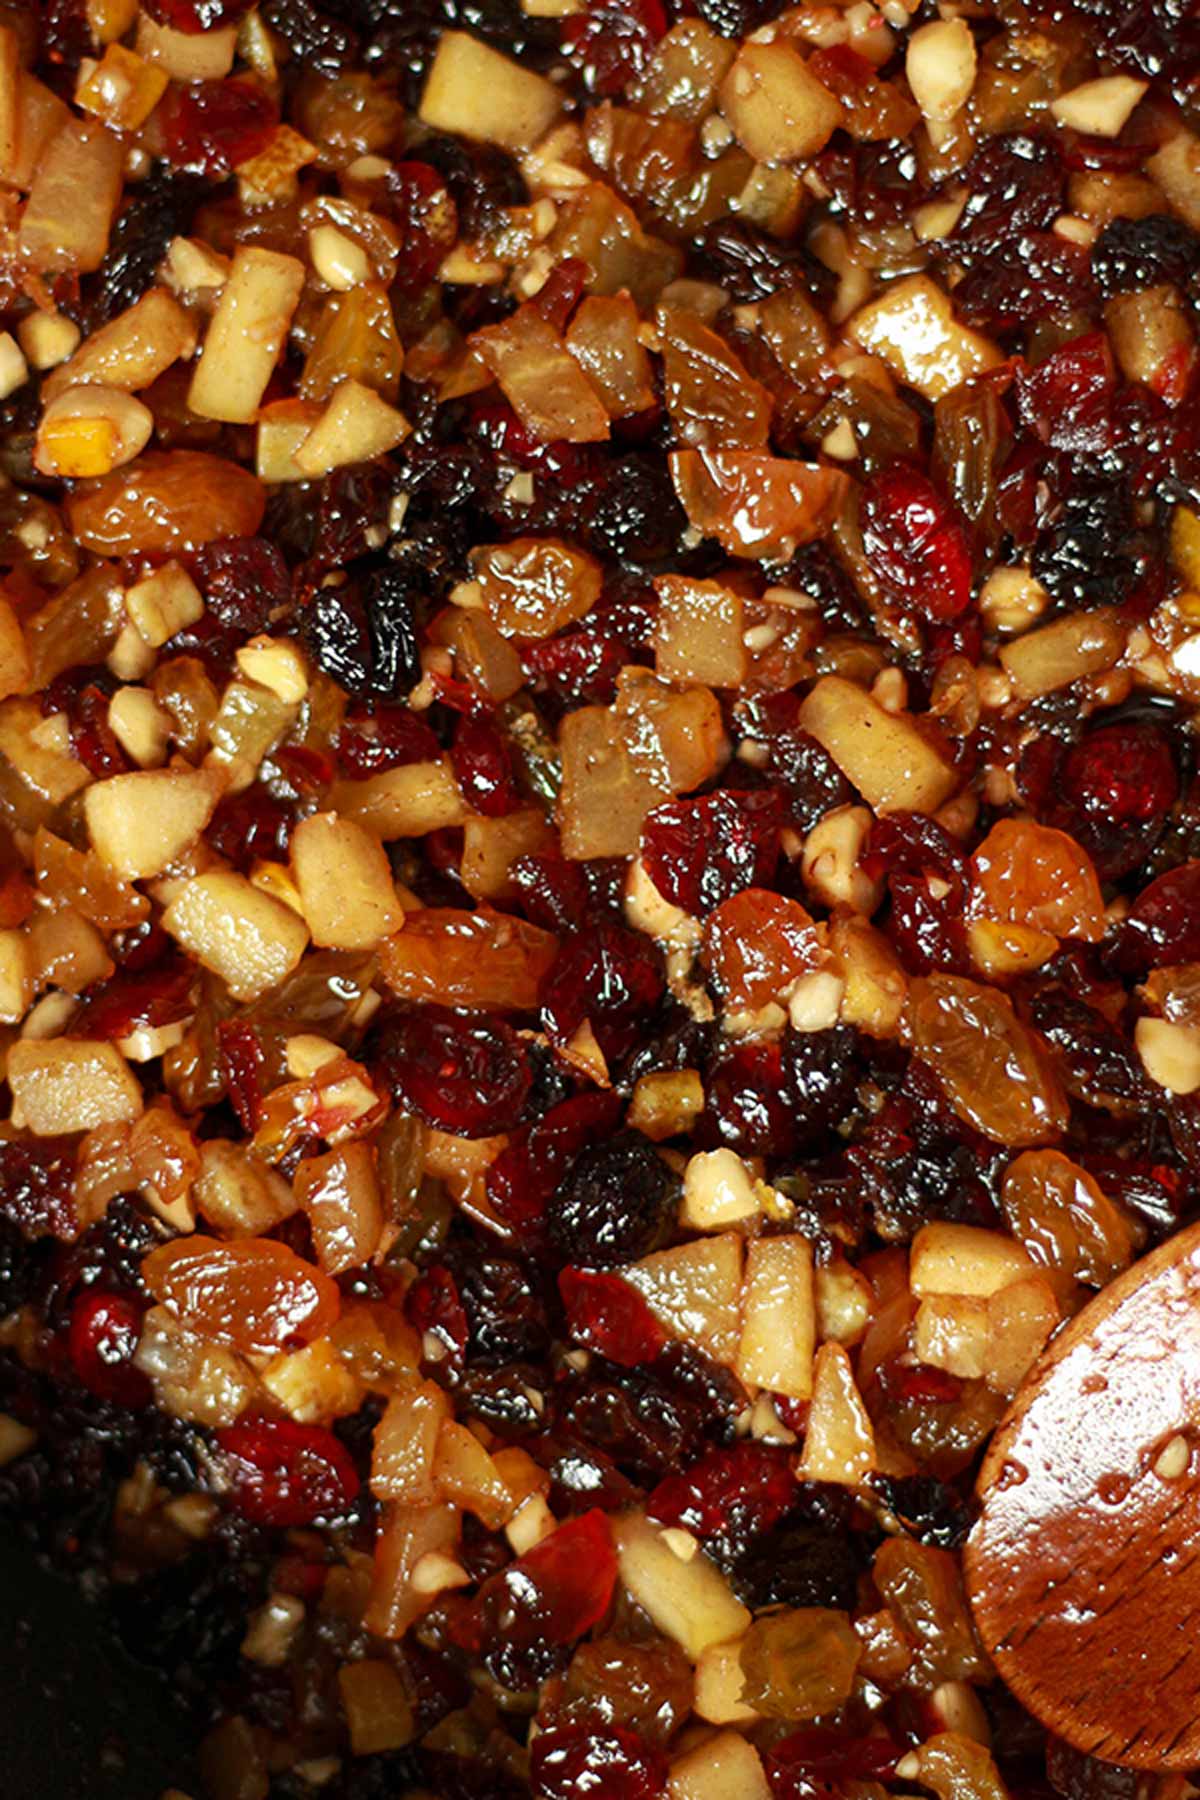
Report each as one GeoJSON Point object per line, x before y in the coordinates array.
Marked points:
{"type": "Point", "coordinates": [246, 334]}
{"type": "Point", "coordinates": [699, 632]}
{"type": "Point", "coordinates": [717, 1191]}
{"type": "Point", "coordinates": [778, 109]}
{"type": "Point", "coordinates": [237, 1193]}
{"type": "Point", "coordinates": [719, 1684]}
{"type": "Point", "coordinates": [540, 379]}
{"type": "Point", "coordinates": [964, 1259]}
{"type": "Point", "coordinates": [345, 883]}
{"type": "Point", "coordinates": [16, 976]}
{"type": "Point", "coordinates": [1101, 108]}
{"type": "Point", "coordinates": [15, 665]}
{"type": "Point", "coordinates": [41, 115]}
{"type": "Point", "coordinates": [912, 328]}
{"type": "Point", "coordinates": [467, 1476]}
{"type": "Point", "coordinates": [479, 93]}
{"type": "Point", "coordinates": [132, 350]}
{"type": "Point", "coordinates": [340, 1193]}
{"type": "Point", "coordinates": [355, 426]}
{"type": "Point", "coordinates": [74, 197]}
{"type": "Point", "coordinates": [1176, 170]}
{"type": "Point", "coordinates": [725, 1767]}
{"type": "Point", "coordinates": [839, 1440]}
{"type": "Point", "coordinates": [405, 802]}
{"type": "Point", "coordinates": [406, 1438]}
{"type": "Point", "coordinates": [894, 767]}
{"type": "Point", "coordinates": [694, 1291]}
{"type": "Point", "coordinates": [1078, 644]}
{"type": "Point", "coordinates": [251, 940]}
{"type": "Point", "coordinates": [142, 822]}
{"type": "Point", "coordinates": [779, 1317]}
{"type": "Point", "coordinates": [689, 1601]}
{"type": "Point", "coordinates": [187, 55]}
{"type": "Point", "coordinates": [66, 1085]}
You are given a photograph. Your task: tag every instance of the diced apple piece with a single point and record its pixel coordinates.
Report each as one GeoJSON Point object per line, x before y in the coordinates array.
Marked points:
{"type": "Point", "coordinates": [1151, 333]}
{"type": "Point", "coordinates": [283, 425]}
{"type": "Point", "coordinates": [406, 1437]}
{"type": "Point", "coordinates": [912, 328]}
{"type": "Point", "coordinates": [65, 1085]}
{"type": "Point", "coordinates": [1176, 169]}
{"type": "Point", "coordinates": [755, 505]}
{"type": "Point", "coordinates": [839, 1441]}
{"type": "Point", "coordinates": [694, 1291]}
{"type": "Point", "coordinates": [406, 1534]}
{"type": "Point", "coordinates": [492, 846]}
{"type": "Point", "coordinates": [140, 823]}
{"type": "Point", "coordinates": [719, 1684]}
{"type": "Point", "coordinates": [345, 883]}
{"type": "Point", "coordinates": [41, 115]}
{"type": "Point", "coordinates": [778, 109]}
{"type": "Point", "coordinates": [875, 982]}
{"type": "Point", "coordinates": [73, 200]}
{"type": "Point", "coordinates": [845, 1302]}
{"type": "Point", "coordinates": [241, 934]}
{"type": "Point", "coordinates": [1079, 644]}
{"type": "Point", "coordinates": [356, 426]}
{"type": "Point", "coordinates": [246, 334]}
{"type": "Point", "coordinates": [1101, 108]}
{"type": "Point", "coordinates": [16, 976]}
{"type": "Point", "coordinates": [10, 100]}
{"type": "Point", "coordinates": [377, 1707]}
{"type": "Point", "coordinates": [725, 1767]}
{"type": "Point", "coordinates": [894, 767]}
{"type": "Point", "coordinates": [604, 798]}
{"type": "Point", "coordinates": [1020, 1319]}
{"type": "Point", "coordinates": [132, 350]}
{"type": "Point", "coordinates": [122, 89]}
{"type": "Point", "coordinates": [666, 1104]}
{"type": "Point", "coordinates": [237, 1194]}
{"type": "Point", "coordinates": [779, 1317]}
{"type": "Point", "coordinates": [951, 1333]}
{"type": "Point", "coordinates": [165, 602]}
{"type": "Point", "coordinates": [964, 1259]}
{"type": "Point", "coordinates": [603, 339]}
{"type": "Point", "coordinates": [187, 55]}
{"type": "Point", "coordinates": [67, 950]}
{"type": "Point", "coordinates": [940, 64]}
{"type": "Point", "coordinates": [717, 1191]}
{"type": "Point", "coordinates": [699, 632]}
{"type": "Point", "coordinates": [480, 93]}
{"type": "Point", "coordinates": [533, 587]}
{"type": "Point", "coordinates": [690, 1601]}
{"type": "Point", "coordinates": [540, 379]}
{"type": "Point", "coordinates": [467, 1476]}
{"type": "Point", "coordinates": [15, 665]}
{"type": "Point", "coordinates": [405, 802]}
{"type": "Point", "coordinates": [340, 1193]}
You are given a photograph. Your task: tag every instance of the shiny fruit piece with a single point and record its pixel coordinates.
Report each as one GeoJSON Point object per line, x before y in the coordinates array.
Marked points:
{"type": "Point", "coordinates": [799, 1663]}
{"type": "Point", "coordinates": [914, 544]}
{"type": "Point", "coordinates": [166, 502]}
{"type": "Point", "coordinates": [1064, 1219]}
{"type": "Point", "coordinates": [608, 1316]}
{"type": "Point", "coordinates": [607, 975]}
{"type": "Point", "coordinates": [994, 1069]}
{"type": "Point", "coordinates": [755, 505]}
{"type": "Point", "coordinates": [750, 1482]}
{"type": "Point", "coordinates": [460, 958]}
{"type": "Point", "coordinates": [570, 1761]}
{"type": "Point", "coordinates": [527, 1171]}
{"type": "Point", "coordinates": [283, 1474]}
{"type": "Point", "coordinates": [466, 1074]}
{"type": "Point", "coordinates": [699, 853]}
{"type": "Point", "coordinates": [1028, 874]}
{"type": "Point", "coordinates": [756, 944]}
{"type": "Point", "coordinates": [256, 1296]}
{"type": "Point", "coordinates": [102, 1339]}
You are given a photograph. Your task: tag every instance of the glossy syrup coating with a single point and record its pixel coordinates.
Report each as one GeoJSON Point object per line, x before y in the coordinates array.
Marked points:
{"type": "Point", "coordinates": [599, 881]}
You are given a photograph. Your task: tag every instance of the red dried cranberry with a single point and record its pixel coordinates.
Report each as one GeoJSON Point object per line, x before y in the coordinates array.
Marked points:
{"type": "Point", "coordinates": [917, 550]}
{"type": "Point", "coordinates": [250, 825]}
{"type": "Point", "coordinates": [463, 1073]}
{"type": "Point", "coordinates": [612, 43]}
{"type": "Point", "coordinates": [579, 668]}
{"type": "Point", "coordinates": [215, 126]}
{"type": "Point", "coordinates": [1164, 922]}
{"type": "Point", "coordinates": [102, 1339]}
{"type": "Point", "coordinates": [553, 890]}
{"type": "Point", "coordinates": [527, 1171]}
{"type": "Point", "coordinates": [569, 1762]}
{"type": "Point", "coordinates": [243, 1061]}
{"type": "Point", "coordinates": [245, 583]}
{"type": "Point", "coordinates": [701, 852]}
{"type": "Point", "coordinates": [37, 1182]}
{"type": "Point", "coordinates": [926, 921]}
{"type": "Point", "coordinates": [193, 16]}
{"type": "Point", "coordinates": [483, 767]}
{"type": "Point", "coordinates": [160, 994]}
{"type": "Point", "coordinates": [523, 1620]}
{"type": "Point", "coordinates": [84, 695]}
{"type": "Point", "coordinates": [422, 206]}
{"type": "Point", "coordinates": [308, 772]}
{"type": "Point", "coordinates": [378, 736]}
{"type": "Point", "coordinates": [751, 1478]}
{"type": "Point", "coordinates": [287, 1475]}
{"type": "Point", "coordinates": [818, 1759]}
{"type": "Point", "coordinates": [607, 1315]}
{"type": "Point", "coordinates": [1038, 275]}
{"type": "Point", "coordinates": [747, 1105]}
{"type": "Point", "coordinates": [921, 1382]}
{"type": "Point", "coordinates": [1121, 775]}
{"type": "Point", "coordinates": [432, 1304]}
{"type": "Point", "coordinates": [611, 977]}
{"type": "Point", "coordinates": [1065, 399]}
{"type": "Point", "coordinates": [562, 291]}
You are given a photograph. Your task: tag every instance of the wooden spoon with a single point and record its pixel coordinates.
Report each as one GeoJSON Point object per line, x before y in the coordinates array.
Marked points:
{"type": "Point", "coordinates": [1083, 1570]}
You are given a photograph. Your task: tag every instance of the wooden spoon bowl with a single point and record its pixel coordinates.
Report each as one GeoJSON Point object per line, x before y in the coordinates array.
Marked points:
{"type": "Point", "coordinates": [1083, 1570]}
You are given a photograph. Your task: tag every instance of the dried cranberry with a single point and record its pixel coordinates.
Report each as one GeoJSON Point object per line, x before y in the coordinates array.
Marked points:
{"type": "Point", "coordinates": [102, 1340]}
{"type": "Point", "coordinates": [193, 16]}
{"type": "Point", "coordinates": [579, 668]}
{"type": "Point", "coordinates": [432, 1304]}
{"type": "Point", "coordinates": [160, 994]}
{"type": "Point", "coordinates": [37, 1181]}
{"type": "Point", "coordinates": [530, 1167]}
{"type": "Point", "coordinates": [818, 1759]}
{"type": "Point", "coordinates": [376, 736]}
{"type": "Point", "coordinates": [916, 547]}
{"type": "Point", "coordinates": [926, 921]}
{"type": "Point", "coordinates": [747, 1104]}
{"type": "Point", "coordinates": [701, 852]}
{"type": "Point", "coordinates": [612, 42]}
{"type": "Point", "coordinates": [1014, 184]}
{"type": "Point", "coordinates": [609, 976]}
{"type": "Point", "coordinates": [554, 891]}
{"type": "Point", "coordinates": [465, 1073]}
{"type": "Point", "coordinates": [1066, 398]}
{"type": "Point", "coordinates": [615, 1203]}
{"type": "Point", "coordinates": [1038, 275]}
{"type": "Point", "coordinates": [287, 1475]}
{"type": "Point", "coordinates": [243, 1064]}
{"type": "Point", "coordinates": [422, 206]}
{"type": "Point", "coordinates": [483, 767]}
{"type": "Point", "coordinates": [212, 127]}
{"type": "Point", "coordinates": [1121, 775]}
{"type": "Point", "coordinates": [523, 1620]}
{"type": "Point", "coordinates": [569, 1762]}
{"type": "Point", "coordinates": [1164, 922]}
{"type": "Point", "coordinates": [609, 1316]}
{"type": "Point", "coordinates": [752, 1480]}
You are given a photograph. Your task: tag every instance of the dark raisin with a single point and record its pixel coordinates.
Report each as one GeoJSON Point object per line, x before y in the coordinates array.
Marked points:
{"type": "Point", "coordinates": [738, 18]}
{"type": "Point", "coordinates": [1039, 276]}
{"type": "Point", "coordinates": [1087, 556]}
{"type": "Point", "coordinates": [615, 1203]}
{"type": "Point", "coordinates": [245, 583]}
{"type": "Point", "coordinates": [1014, 184]}
{"type": "Point", "coordinates": [570, 1761]}
{"type": "Point", "coordinates": [929, 1510]}
{"type": "Point", "coordinates": [37, 1176]}
{"type": "Point", "coordinates": [1131, 254]}
{"type": "Point", "coordinates": [482, 180]}
{"type": "Point", "coordinates": [463, 1073]}
{"type": "Point", "coordinates": [820, 1078]}
{"type": "Point", "coordinates": [701, 852]}
{"type": "Point", "coordinates": [157, 210]}
{"type": "Point", "coordinates": [1097, 1063]}
{"type": "Point", "coordinates": [318, 39]}
{"type": "Point", "coordinates": [636, 516]}
{"type": "Point", "coordinates": [612, 43]}
{"type": "Point", "coordinates": [749, 264]}
{"type": "Point", "coordinates": [392, 633]}
{"type": "Point", "coordinates": [797, 1564]}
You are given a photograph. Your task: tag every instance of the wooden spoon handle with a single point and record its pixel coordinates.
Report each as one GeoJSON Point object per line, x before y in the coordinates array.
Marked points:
{"type": "Point", "coordinates": [1083, 1569]}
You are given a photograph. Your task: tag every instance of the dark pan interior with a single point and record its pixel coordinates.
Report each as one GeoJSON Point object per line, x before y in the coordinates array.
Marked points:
{"type": "Point", "coordinates": [78, 1719]}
